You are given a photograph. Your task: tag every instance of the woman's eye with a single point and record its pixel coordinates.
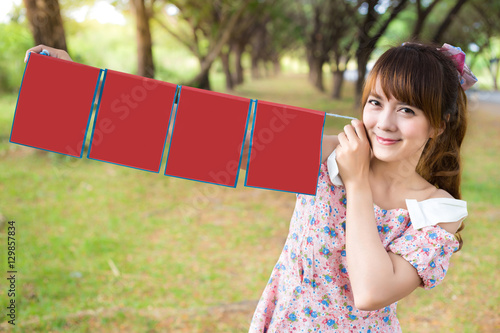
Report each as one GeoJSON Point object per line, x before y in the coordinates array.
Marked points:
{"type": "Point", "coordinates": [374, 102]}
{"type": "Point", "coordinates": [408, 111]}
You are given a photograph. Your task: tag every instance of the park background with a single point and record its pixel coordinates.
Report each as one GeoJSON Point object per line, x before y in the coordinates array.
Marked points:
{"type": "Point", "coordinates": [104, 248]}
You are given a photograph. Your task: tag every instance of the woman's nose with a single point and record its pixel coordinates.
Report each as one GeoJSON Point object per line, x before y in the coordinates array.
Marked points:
{"type": "Point", "coordinates": [387, 120]}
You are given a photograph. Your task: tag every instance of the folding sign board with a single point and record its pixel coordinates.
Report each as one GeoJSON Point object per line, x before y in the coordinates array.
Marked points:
{"type": "Point", "coordinates": [54, 105]}
{"type": "Point", "coordinates": [208, 136]}
{"type": "Point", "coordinates": [285, 151]}
{"type": "Point", "coordinates": [132, 121]}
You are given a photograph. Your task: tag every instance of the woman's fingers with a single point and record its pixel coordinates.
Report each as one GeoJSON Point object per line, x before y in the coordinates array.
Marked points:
{"type": "Point", "coordinates": [359, 128]}
{"type": "Point", "coordinates": [56, 53]}
{"type": "Point", "coordinates": [350, 133]}
{"type": "Point", "coordinates": [355, 131]}
{"type": "Point", "coordinates": [36, 49]}
{"type": "Point", "coordinates": [343, 141]}
{"type": "Point", "coordinates": [354, 136]}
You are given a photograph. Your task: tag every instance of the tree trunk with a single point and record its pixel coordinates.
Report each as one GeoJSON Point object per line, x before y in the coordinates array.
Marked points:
{"type": "Point", "coordinates": [277, 66]}
{"type": "Point", "coordinates": [45, 22]}
{"type": "Point", "coordinates": [422, 15]}
{"type": "Point", "coordinates": [368, 41]}
{"type": "Point", "coordinates": [255, 66]}
{"type": "Point", "coordinates": [317, 66]}
{"type": "Point", "coordinates": [447, 21]}
{"type": "Point", "coordinates": [312, 68]}
{"type": "Point", "coordinates": [338, 82]}
{"type": "Point", "coordinates": [202, 80]}
{"type": "Point", "coordinates": [145, 65]}
{"type": "Point", "coordinates": [238, 53]}
{"type": "Point", "coordinates": [493, 67]}
{"type": "Point", "coordinates": [316, 71]}
{"type": "Point", "coordinates": [216, 46]}
{"type": "Point", "coordinates": [362, 61]}
{"type": "Point", "coordinates": [267, 68]}
{"type": "Point", "coordinates": [495, 76]}
{"type": "Point", "coordinates": [224, 56]}
{"type": "Point", "coordinates": [418, 28]}
{"type": "Point", "coordinates": [258, 44]}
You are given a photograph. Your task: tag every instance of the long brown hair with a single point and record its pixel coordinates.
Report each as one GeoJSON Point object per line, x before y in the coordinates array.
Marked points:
{"type": "Point", "coordinates": [421, 76]}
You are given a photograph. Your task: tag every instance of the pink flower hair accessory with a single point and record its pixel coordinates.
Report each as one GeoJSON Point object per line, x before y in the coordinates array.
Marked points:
{"type": "Point", "coordinates": [466, 77]}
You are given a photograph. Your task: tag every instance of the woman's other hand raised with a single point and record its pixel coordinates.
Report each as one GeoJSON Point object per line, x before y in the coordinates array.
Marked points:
{"type": "Point", "coordinates": [56, 53]}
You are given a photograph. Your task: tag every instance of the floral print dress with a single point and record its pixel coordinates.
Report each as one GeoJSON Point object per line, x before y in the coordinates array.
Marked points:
{"type": "Point", "coordinates": [309, 288]}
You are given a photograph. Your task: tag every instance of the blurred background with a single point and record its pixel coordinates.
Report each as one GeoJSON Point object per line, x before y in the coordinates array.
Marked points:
{"type": "Point", "coordinates": [104, 248]}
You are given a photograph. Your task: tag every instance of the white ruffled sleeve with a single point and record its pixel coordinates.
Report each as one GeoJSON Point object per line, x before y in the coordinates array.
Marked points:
{"type": "Point", "coordinates": [425, 245]}
{"type": "Point", "coordinates": [433, 211]}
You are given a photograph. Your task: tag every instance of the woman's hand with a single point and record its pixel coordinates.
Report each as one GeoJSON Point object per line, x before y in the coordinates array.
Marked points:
{"type": "Point", "coordinates": [353, 153]}
{"type": "Point", "coordinates": [56, 53]}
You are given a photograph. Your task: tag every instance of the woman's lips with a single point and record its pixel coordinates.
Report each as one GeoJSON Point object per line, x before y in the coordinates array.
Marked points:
{"type": "Point", "coordinates": [385, 141]}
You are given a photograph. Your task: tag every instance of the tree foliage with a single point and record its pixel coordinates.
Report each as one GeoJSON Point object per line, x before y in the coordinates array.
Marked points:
{"type": "Point", "coordinates": [480, 30]}
{"type": "Point", "coordinates": [330, 32]}
{"type": "Point", "coordinates": [204, 28]}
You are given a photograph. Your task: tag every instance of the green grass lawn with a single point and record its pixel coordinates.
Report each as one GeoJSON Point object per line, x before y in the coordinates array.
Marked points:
{"type": "Point", "coordinates": [104, 248]}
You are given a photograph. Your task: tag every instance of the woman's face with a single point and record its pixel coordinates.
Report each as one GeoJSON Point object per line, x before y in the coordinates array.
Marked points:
{"type": "Point", "coordinates": [397, 131]}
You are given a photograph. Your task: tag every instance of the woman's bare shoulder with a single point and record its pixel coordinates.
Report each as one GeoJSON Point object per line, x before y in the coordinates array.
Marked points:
{"type": "Point", "coordinates": [440, 193]}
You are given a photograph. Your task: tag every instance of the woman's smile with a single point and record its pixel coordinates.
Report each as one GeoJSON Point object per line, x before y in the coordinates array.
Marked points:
{"type": "Point", "coordinates": [386, 141]}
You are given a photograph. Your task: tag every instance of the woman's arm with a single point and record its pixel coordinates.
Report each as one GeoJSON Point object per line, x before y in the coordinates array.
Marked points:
{"type": "Point", "coordinates": [378, 278]}
{"type": "Point", "coordinates": [56, 53]}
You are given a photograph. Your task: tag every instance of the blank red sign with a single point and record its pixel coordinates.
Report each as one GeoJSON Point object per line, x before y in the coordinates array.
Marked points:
{"type": "Point", "coordinates": [132, 121]}
{"type": "Point", "coordinates": [285, 150]}
{"type": "Point", "coordinates": [208, 136]}
{"type": "Point", "coordinates": [54, 105]}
